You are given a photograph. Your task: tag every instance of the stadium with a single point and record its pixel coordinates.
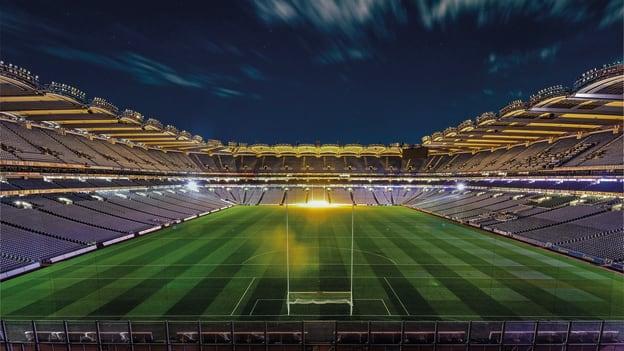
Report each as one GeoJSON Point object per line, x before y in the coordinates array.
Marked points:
{"type": "Point", "coordinates": [121, 232]}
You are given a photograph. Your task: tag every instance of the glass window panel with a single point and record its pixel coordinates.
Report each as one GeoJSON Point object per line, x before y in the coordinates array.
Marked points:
{"type": "Point", "coordinates": [19, 331]}
{"type": "Point", "coordinates": [584, 332]}
{"type": "Point", "coordinates": [114, 332]}
{"type": "Point", "coordinates": [613, 332]}
{"type": "Point", "coordinates": [184, 332]}
{"type": "Point", "coordinates": [50, 331]}
{"type": "Point", "coordinates": [352, 332]}
{"type": "Point", "coordinates": [149, 333]}
{"type": "Point", "coordinates": [216, 332]}
{"type": "Point", "coordinates": [517, 333]}
{"type": "Point", "coordinates": [419, 333]}
{"type": "Point", "coordinates": [452, 332]}
{"type": "Point", "coordinates": [385, 333]}
{"type": "Point", "coordinates": [319, 332]}
{"type": "Point", "coordinates": [284, 333]}
{"type": "Point", "coordinates": [82, 332]}
{"type": "Point", "coordinates": [249, 332]}
{"type": "Point", "coordinates": [552, 332]}
{"type": "Point", "coordinates": [486, 332]}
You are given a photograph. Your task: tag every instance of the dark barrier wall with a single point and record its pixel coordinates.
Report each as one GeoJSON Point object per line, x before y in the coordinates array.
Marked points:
{"type": "Point", "coordinates": [312, 335]}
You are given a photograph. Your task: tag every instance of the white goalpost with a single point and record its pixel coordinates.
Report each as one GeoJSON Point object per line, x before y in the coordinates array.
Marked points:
{"type": "Point", "coordinates": [297, 296]}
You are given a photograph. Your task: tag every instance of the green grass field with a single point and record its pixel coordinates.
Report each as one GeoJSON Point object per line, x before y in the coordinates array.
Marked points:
{"type": "Point", "coordinates": [231, 265]}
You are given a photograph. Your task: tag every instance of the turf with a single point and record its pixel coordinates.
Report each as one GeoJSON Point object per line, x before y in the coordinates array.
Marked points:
{"type": "Point", "coordinates": [231, 265]}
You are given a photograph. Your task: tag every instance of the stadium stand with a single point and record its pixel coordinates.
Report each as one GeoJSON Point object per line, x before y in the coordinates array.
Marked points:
{"type": "Point", "coordinates": [37, 228]}
{"type": "Point", "coordinates": [69, 182]}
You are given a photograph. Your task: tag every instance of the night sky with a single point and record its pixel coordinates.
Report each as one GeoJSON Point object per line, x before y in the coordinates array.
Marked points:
{"type": "Point", "coordinates": [279, 71]}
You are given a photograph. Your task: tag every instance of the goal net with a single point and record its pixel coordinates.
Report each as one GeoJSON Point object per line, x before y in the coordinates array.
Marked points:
{"type": "Point", "coordinates": [319, 255]}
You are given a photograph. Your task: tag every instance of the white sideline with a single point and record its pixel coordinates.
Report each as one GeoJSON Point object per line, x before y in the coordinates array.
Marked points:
{"type": "Point", "coordinates": [73, 253]}
{"type": "Point", "coordinates": [19, 270]}
{"type": "Point", "coordinates": [152, 229]}
{"type": "Point", "coordinates": [116, 240]}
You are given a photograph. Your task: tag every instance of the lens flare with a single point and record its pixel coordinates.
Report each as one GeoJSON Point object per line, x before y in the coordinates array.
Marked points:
{"type": "Point", "coordinates": [318, 204]}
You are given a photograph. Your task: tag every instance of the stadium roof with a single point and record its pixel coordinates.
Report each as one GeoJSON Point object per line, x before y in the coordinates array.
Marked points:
{"type": "Point", "coordinates": [594, 104]}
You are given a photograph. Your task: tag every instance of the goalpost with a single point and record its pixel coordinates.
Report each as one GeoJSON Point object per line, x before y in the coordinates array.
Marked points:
{"type": "Point", "coordinates": [318, 297]}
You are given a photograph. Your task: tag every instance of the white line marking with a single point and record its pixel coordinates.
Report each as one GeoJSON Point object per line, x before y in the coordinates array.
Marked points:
{"type": "Point", "coordinates": [254, 307]}
{"type": "Point", "coordinates": [397, 296]}
{"type": "Point", "coordinates": [386, 306]}
{"type": "Point", "coordinates": [243, 295]}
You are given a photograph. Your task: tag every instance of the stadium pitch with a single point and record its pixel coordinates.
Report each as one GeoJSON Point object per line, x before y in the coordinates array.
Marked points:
{"type": "Point", "coordinates": [231, 265]}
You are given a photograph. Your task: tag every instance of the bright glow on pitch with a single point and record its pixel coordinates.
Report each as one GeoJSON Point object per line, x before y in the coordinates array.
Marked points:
{"type": "Point", "coordinates": [318, 204]}
{"type": "Point", "coordinates": [192, 185]}
{"type": "Point", "coordinates": [461, 186]}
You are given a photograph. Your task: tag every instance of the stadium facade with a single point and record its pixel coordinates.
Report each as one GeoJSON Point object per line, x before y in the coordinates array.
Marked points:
{"type": "Point", "coordinates": [79, 175]}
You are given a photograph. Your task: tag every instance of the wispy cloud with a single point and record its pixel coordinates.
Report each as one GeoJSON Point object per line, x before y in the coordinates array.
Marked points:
{"type": "Point", "coordinates": [19, 22]}
{"type": "Point", "coordinates": [488, 92]}
{"type": "Point", "coordinates": [338, 54]}
{"type": "Point", "coordinates": [252, 72]}
{"type": "Point", "coordinates": [143, 69]}
{"type": "Point", "coordinates": [349, 19]}
{"type": "Point", "coordinates": [357, 18]}
{"type": "Point", "coordinates": [501, 62]}
{"type": "Point", "coordinates": [345, 26]}
{"type": "Point", "coordinates": [440, 13]}
{"type": "Point", "coordinates": [613, 13]}
{"type": "Point", "coordinates": [226, 93]}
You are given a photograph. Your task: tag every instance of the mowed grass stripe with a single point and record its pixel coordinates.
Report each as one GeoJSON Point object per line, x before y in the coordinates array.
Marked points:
{"type": "Point", "coordinates": [469, 295]}
{"type": "Point", "coordinates": [565, 274]}
{"type": "Point", "coordinates": [202, 268]}
{"type": "Point", "coordinates": [334, 256]}
{"type": "Point", "coordinates": [73, 292]}
{"type": "Point", "coordinates": [527, 288]}
{"type": "Point", "coordinates": [200, 295]}
{"type": "Point", "coordinates": [415, 303]}
{"type": "Point", "coordinates": [136, 292]}
{"type": "Point", "coordinates": [542, 292]}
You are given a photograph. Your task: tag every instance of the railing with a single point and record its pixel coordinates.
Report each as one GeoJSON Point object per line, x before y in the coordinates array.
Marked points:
{"type": "Point", "coordinates": [103, 104]}
{"type": "Point", "coordinates": [310, 335]}
{"type": "Point", "coordinates": [21, 74]}
{"type": "Point", "coordinates": [512, 106]}
{"type": "Point", "coordinates": [595, 74]}
{"type": "Point", "coordinates": [67, 90]}
{"type": "Point", "coordinates": [547, 93]}
{"type": "Point", "coordinates": [486, 117]}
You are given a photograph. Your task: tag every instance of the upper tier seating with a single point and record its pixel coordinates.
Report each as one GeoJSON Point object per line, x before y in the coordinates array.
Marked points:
{"type": "Point", "coordinates": [42, 144]}
{"type": "Point", "coordinates": [593, 150]}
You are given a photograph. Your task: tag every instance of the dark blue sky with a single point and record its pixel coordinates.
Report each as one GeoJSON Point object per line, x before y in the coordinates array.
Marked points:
{"type": "Point", "coordinates": [360, 71]}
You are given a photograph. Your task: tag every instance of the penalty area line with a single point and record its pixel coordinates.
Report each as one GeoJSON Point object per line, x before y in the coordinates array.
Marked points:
{"type": "Point", "coordinates": [242, 296]}
{"type": "Point", "coordinates": [386, 306]}
{"type": "Point", "coordinates": [397, 296]}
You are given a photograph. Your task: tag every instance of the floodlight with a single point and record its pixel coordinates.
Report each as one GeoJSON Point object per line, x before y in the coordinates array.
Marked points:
{"type": "Point", "coordinates": [317, 204]}
{"type": "Point", "coordinates": [460, 186]}
{"type": "Point", "coordinates": [192, 185]}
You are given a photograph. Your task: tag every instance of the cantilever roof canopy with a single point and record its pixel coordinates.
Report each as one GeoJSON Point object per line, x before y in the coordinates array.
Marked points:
{"type": "Point", "coordinates": [22, 96]}
{"type": "Point", "coordinates": [596, 104]}
{"type": "Point", "coordinates": [313, 150]}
